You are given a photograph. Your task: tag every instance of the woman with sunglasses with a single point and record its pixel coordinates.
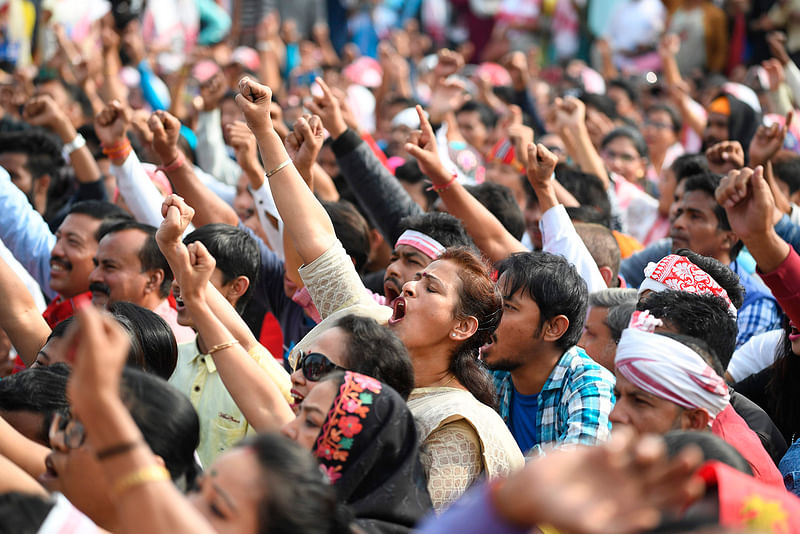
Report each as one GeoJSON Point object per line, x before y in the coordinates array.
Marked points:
{"type": "Point", "coordinates": [363, 435]}
{"type": "Point", "coordinates": [443, 317]}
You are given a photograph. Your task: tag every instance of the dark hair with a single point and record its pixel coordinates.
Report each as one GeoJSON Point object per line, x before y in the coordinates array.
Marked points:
{"type": "Point", "coordinates": [553, 284]}
{"type": "Point", "coordinates": [410, 173]}
{"type": "Point", "coordinates": [713, 447]}
{"type": "Point", "coordinates": [153, 346]}
{"type": "Point", "coordinates": [351, 229]}
{"type": "Point", "coordinates": [60, 328]}
{"type": "Point", "coordinates": [150, 255]}
{"type": "Point", "coordinates": [487, 116]}
{"type": "Point", "coordinates": [629, 133]}
{"type": "Point", "coordinates": [376, 351]}
{"type": "Point", "coordinates": [703, 317]}
{"type": "Point", "coordinates": [674, 116]}
{"type": "Point", "coordinates": [100, 210]}
{"type": "Point", "coordinates": [721, 273]}
{"type": "Point", "coordinates": [708, 183]}
{"type": "Point", "coordinates": [40, 390]}
{"type": "Point", "coordinates": [618, 318]}
{"type": "Point", "coordinates": [443, 227]}
{"type": "Point", "coordinates": [627, 86]}
{"type": "Point", "coordinates": [602, 246]}
{"type": "Point", "coordinates": [23, 513]}
{"type": "Point", "coordinates": [687, 165]}
{"type": "Point", "coordinates": [787, 170]}
{"type": "Point", "coordinates": [166, 419]}
{"type": "Point", "coordinates": [296, 498]}
{"type": "Point", "coordinates": [700, 347]}
{"type": "Point", "coordinates": [602, 103]}
{"type": "Point", "coordinates": [43, 150]}
{"type": "Point", "coordinates": [782, 392]}
{"type": "Point", "coordinates": [236, 254]}
{"type": "Point", "coordinates": [500, 201]}
{"type": "Point", "coordinates": [477, 297]}
{"type": "Point", "coordinates": [590, 193]}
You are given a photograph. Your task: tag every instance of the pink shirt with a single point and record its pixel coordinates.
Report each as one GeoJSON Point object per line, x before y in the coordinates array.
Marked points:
{"type": "Point", "coordinates": [170, 315]}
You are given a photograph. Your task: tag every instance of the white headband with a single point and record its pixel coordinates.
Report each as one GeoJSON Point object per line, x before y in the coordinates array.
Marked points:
{"type": "Point", "coordinates": [671, 371]}
{"type": "Point", "coordinates": [422, 242]}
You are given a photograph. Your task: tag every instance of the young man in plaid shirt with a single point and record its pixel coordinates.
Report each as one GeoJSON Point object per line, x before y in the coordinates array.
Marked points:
{"type": "Point", "coordinates": [550, 392]}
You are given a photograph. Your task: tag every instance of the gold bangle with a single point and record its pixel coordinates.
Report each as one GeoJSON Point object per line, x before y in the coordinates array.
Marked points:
{"type": "Point", "coordinates": [279, 167]}
{"type": "Point", "coordinates": [151, 473]}
{"type": "Point", "coordinates": [222, 346]}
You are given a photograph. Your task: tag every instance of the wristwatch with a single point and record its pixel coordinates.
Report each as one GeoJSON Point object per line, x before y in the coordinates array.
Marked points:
{"type": "Point", "coordinates": [72, 146]}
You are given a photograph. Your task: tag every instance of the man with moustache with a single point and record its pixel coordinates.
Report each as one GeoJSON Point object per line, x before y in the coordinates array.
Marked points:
{"type": "Point", "coordinates": [59, 263]}
{"type": "Point", "coordinates": [130, 267]}
{"type": "Point", "coordinates": [701, 225]}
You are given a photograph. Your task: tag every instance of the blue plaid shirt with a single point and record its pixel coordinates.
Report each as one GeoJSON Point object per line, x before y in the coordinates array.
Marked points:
{"type": "Point", "coordinates": [760, 311]}
{"type": "Point", "coordinates": [574, 403]}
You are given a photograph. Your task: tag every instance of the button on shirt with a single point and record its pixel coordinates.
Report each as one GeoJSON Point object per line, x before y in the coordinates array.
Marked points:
{"type": "Point", "coordinates": [222, 424]}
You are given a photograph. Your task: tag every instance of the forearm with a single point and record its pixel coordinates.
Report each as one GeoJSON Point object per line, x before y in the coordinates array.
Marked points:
{"type": "Point", "coordinates": [112, 88]}
{"type": "Point", "coordinates": [324, 187]}
{"type": "Point", "coordinates": [303, 216]}
{"type": "Point", "coordinates": [86, 169]}
{"type": "Point", "coordinates": [19, 316]}
{"type": "Point", "coordinates": [212, 156]}
{"type": "Point", "coordinates": [586, 156]}
{"type": "Point", "coordinates": [377, 191]}
{"type": "Point", "coordinates": [26, 454]}
{"type": "Point", "coordinates": [489, 234]}
{"type": "Point", "coordinates": [137, 190]}
{"type": "Point", "coordinates": [259, 399]}
{"type": "Point", "coordinates": [769, 250]}
{"type": "Point", "coordinates": [154, 506]}
{"type": "Point", "coordinates": [148, 83]}
{"type": "Point", "coordinates": [209, 208]}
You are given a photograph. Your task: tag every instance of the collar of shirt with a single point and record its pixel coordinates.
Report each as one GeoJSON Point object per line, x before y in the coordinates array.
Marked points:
{"type": "Point", "coordinates": [203, 359]}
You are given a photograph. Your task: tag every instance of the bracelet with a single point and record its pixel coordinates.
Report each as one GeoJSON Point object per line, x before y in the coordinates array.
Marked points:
{"type": "Point", "coordinates": [151, 473]}
{"type": "Point", "coordinates": [278, 168]}
{"type": "Point", "coordinates": [175, 164]}
{"type": "Point", "coordinates": [443, 187]}
{"type": "Point", "coordinates": [118, 151]}
{"type": "Point", "coordinates": [116, 450]}
{"type": "Point", "coordinates": [222, 346]}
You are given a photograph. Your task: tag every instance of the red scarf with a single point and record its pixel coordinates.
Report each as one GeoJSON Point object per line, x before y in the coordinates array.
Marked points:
{"type": "Point", "coordinates": [60, 309]}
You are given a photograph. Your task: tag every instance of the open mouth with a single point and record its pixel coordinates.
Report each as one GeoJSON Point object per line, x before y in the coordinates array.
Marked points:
{"type": "Point", "coordinates": [488, 346]}
{"type": "Point", "coordinates": [399, 310]}
{"type": "Point", "coordinates": [50, 474]}
{"type": "Point", "coordinates": [390, 291]}
{"type": "Point", "coordinates": [58, 267]}
{"type": "Point", "coordinates": [179, 304]}
{"type": "Point", "coordinates": [297, 398]}
{"type": "Point", "coordinates": [794, 334]}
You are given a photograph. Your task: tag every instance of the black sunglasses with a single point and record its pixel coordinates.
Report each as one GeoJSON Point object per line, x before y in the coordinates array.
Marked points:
{"type": "Point", "coordinates": [316, 365]}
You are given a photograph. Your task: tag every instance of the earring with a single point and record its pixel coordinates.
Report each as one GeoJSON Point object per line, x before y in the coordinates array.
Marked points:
{"type": "Point", "coordinates": [452, 334]}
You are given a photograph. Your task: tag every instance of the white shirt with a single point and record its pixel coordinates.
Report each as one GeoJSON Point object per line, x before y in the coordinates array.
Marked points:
{"type": "Point", "coordinates": [756, 354]}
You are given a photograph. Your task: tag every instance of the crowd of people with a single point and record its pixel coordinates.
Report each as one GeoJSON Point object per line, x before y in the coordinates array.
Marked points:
{"type": "Point", "coordinates": [382, 267]}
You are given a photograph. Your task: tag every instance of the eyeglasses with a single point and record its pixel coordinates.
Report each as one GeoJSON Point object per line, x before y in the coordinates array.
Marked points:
{"type": "Point", "coordinates": [73, 435]}
{"type": "Point", "coordinates": [316, 365]}
{"type": "Point", "coordinates": [625, 158]}
{"type": "Point", "coordinates": [658, 125]}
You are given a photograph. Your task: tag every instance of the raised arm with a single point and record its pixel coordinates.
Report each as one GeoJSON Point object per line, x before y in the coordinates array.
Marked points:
{"type": "Point", "coordinates": [377, 191]}
{"type": "Point", "coordinates": [558, 233]}
{"type": "Point", "coordinates": [43, 111]}
{"type": "Point", "coordinates": [305, 218]}
{"type": "Point", "coordinates": [210, 208]}
{"type": "Point", "coordinates": [138, 191]}
{"type": "Point", "coordinates": [484, 228]}
{"type": "Point", "coordinates": [20, 317]}
{"type": "Point", "coordinates": [570, 116]}
{"type": "Point", "coordinates": [259, 398]}
{"type": "Point", "coordinates": [153, 504]}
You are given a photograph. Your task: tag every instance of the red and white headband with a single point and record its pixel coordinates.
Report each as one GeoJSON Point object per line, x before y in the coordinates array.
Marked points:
{"type": "Point", "coordinates": [422, 242]}
{"type": "Point", "coordinates": [679, 274]}
{"type": "Point", "coordinates": [668, 369]}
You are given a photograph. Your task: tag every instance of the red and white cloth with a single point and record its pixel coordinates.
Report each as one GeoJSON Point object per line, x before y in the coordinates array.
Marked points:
{"type": "Point", "coordinates": [422, 242]}
{"type": "Point", "coordinates": [669, 369]}
{"type": "Point", "coordinates": [679, 274]}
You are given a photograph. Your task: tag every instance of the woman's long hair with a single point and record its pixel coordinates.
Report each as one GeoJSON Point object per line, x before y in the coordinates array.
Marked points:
{"type": "Point", "coordinates": [479, 298]}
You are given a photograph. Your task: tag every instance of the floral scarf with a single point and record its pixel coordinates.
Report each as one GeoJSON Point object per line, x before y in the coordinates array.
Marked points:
{"type": "Point", "coordinates": [368, 448]}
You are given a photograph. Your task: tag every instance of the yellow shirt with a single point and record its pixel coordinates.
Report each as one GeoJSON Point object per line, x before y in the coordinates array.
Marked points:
{"type": "Point", "coordinates": [222, 424]}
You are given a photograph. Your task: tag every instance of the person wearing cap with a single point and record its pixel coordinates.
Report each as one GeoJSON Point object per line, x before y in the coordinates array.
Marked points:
{"type": "Point", "coordinates": [666, 382]}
